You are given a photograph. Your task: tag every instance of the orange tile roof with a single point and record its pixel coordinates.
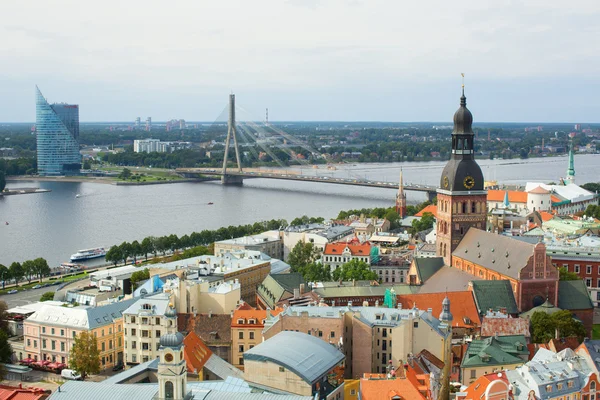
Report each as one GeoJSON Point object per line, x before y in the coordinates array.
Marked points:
{"type": "Point", "coordinates": [546, 216]}
{"type": "Point", "coordinates": [356, 249]}
{"type": "Point", "coordinates": [513, 196]}
{"type": "Point", "coordinates": [386, 389]}
{"type": "Point", "coordinates": [476, 390]}
{"type": "Point", "coordinates": [195, 352]}
{"type": "Point", "coordinates": [462, 305]}
{"type": "Point", "coordinates": [430, 209]}
{"type": "Point", "coordinates": [257, 315]}
{"type": "Point", "coordinates": [555, 199]}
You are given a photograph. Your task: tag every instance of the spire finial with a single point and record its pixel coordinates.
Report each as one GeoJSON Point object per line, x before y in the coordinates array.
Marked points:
{"type": "Point", "coordinates": [463, 99]}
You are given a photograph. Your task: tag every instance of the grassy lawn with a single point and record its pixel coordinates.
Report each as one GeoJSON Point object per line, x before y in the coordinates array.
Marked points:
{"type": "Point", "coordinates": [24, 286]}
{"type": "Point", "coordinates": [596, 331]}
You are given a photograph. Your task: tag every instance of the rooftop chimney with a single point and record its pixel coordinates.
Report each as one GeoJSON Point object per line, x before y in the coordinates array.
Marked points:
{"type": "Point", "coordinates": [302, 288]}
{"type": "Point", "coordinates": [296, 293]}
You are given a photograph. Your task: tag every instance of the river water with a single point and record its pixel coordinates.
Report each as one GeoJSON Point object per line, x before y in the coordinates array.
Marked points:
{"type": "Point", "coordinates": [54, 225]}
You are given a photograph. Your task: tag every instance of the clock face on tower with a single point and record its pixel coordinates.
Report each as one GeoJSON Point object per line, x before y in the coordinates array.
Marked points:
{"type": "Point", "coordinates": [168, 357]}
{"type": "Point", "coordinates": [469, 182]}
{"type": "Point", "coordinates": [446, 182]}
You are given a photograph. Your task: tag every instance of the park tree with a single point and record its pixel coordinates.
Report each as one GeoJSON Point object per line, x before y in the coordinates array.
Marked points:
{"type": "Point", "coordinates": [301, 255]}
{"type": "Point", "coordinates": [16, 272]}
{"type": "Point", "coordinates": [139, 276]}
{"type": "Point", "coordinates": [3, 316]}
{"type": "Point", "coordinates": [592, 211]}
{"type": "Point", "coordinates": [41, 267]}
{"type": "Point", "coordinates": [426, 222]}
{"type": "Point", "coordinates": [354, 270]}
{"type": "Point", "coordinates": [28, 269]}
{"type": "Point", "coordinates": [125, 250]}
{"type": "Point", "coordinates": [4, 275]}
{"type": "Point", "coordinates": [85, 357]}
{"type": "Point", "coordinates": [544, 326]}
{"type": "Point", "coordinates": [125, 174]}
{"type": "Point", "coordinates": [136, 250]}
{"type": "Point", "coordinates": [2, 181]}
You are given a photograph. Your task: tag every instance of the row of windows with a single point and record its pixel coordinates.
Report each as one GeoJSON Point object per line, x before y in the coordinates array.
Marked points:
{"type": "Point", "coordinates": [144, 333]}
{"type": "Point", "coordinates": [143, 345]}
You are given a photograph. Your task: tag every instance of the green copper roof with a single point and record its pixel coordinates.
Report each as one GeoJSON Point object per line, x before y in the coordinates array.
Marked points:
{"type": "Point", "coordinates": [546, 307]}
{"type": "Point", "coordinates": [496, 351]}
{"type": "Point", "coordinates": [273, 288]}
{"type": "Point", "coordinates": [573, 295]}
{"type": "Point", "coordinates": [494, 295]}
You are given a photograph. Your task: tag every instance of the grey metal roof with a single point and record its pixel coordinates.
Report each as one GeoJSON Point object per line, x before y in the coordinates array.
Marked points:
{"type": "Point", "coordinates": [498, 253]}
{"type": "Point", "coordinates": [307, 356]}
{"type": "Point", "coordinates": [126, 375]}
{"type": "Point", "coordinates": [222, 368]}
{"type": "Point", "coordinates": [350, 291]}
{"type": "Point", "coordinates": [573, 295]}
{"type": "Point", "coordinates": [82, 317]}
{"type": "Point", "coordinates": [77, 390]}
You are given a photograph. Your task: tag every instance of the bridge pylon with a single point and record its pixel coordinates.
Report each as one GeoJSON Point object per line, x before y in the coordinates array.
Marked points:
{"type": "Point", "coordinates": [231, 132]}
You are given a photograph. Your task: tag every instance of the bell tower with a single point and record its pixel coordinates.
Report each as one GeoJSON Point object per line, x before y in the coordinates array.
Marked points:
{"type": "Point", "coordinates": [461, 198]}
{"type": "Point", "coordinates": [172, 369]}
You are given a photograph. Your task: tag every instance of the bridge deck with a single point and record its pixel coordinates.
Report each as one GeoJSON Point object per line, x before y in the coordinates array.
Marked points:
{"type": "Point", "coordinates": [294, 176]}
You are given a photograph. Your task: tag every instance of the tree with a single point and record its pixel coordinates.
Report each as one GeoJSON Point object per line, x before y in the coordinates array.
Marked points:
{"type": "Point", "coordinates": [42, 268]}
{"type": "Point", "coordinates": [592, 187]}
{"type": "Point", "coordinates": [48, 296]}
{"type": "Point", "coordinates": [114, 255]}
{"type": "Point", "coordinates": [147, 246]}
{"type": "Point", "coordinates": [565, 275]}
{"type": "Point", "coordinates": [3, 318]}
{"type": "Point", "coordinates": [5, 348]}
{"type": "Point", "coordinates": [301, 255]}
{"type": "Point", "coordinates": [426, 222]}
{"type": "Point", "coordinates": [544, 326]}
{"type": "Point", "coordinates": [136, 250]}
{"type": "Point", "coordinates": [139, 276]}
{"type": "Point", "coordinates": [315, 272]}
{"type": "Point", "coordinates": [84, 356]}
{"type": "Point", "coordinates": [2, 181]}
{"type": "Point", "coordinates": [125, 250]}
{"type": "Point", "coordinates": [16, 272]}
{"type": "Point", "coordinates": [125, 174]}
{"type": "Point", "coordinates": [4, 275]}
{"type": "Point", "coordinates": [354, 270]}
{"type": "Point", "coordinates": [87, 165]}
{"type": "Point", "coordinates": [28, 269]}
{"type": "Point", "coordinates": [592, 211]}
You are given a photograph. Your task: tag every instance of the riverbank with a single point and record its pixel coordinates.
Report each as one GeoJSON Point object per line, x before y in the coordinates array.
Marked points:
{"type": "Point", "coordinates": [92, 179]}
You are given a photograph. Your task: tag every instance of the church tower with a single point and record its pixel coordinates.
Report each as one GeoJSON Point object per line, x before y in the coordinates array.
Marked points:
{"type": "Point", "coordinates": [401, 199]}
{"type": "Point", "coordinates": [461, 198]}
{"type": "Point", "coordinates": [172, 369]}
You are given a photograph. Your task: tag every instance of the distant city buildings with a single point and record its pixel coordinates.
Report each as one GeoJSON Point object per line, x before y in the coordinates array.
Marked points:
{"type": "Point", "coordinates": [155, 145]}
{"type": "Point", "coordinates": [57, 128]}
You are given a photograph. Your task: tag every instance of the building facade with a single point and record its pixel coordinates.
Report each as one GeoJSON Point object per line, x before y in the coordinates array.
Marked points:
{"type": "Point", "coordinates": [246, 332]}
{"type": "Point", "coordinates": [145, 321]}
{"type": "Point", "coordinates": [50, 332]}
{"type": "Point", "coordinates": [461, 198]}
{"type": "Point", "coordinates": [57, 129]}
{"type": "Point", "coordinates": [269, 243]}
{"type": "Point", "coordinates": [337, 254]}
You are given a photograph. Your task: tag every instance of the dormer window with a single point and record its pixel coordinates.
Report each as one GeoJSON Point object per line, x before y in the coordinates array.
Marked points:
{"type": "Point", "coordinates": [252, 321]}
{"type": "Point", "coordinates": [146, 307]}
{"type": "Point", "coordinates": [240, 321]}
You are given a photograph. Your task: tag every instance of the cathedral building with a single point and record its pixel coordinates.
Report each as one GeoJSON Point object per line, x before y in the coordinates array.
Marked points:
{"type": "Point", "coordinates": [461, 198]}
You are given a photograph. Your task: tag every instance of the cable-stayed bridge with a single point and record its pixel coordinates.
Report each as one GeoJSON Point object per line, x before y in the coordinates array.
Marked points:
{"type": "Point", "coordinates": [260, 136]}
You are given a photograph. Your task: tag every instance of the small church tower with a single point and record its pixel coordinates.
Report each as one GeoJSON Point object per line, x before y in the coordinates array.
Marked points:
{"type": "Point", "coordinates": [446, 326]}
{"type": "Point", "coordinates": [172, 369]}
{"type": "Point", "coordinates": [401, 199]}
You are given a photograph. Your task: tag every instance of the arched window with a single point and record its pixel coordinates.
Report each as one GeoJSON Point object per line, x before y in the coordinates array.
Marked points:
{"type": "Point", "coordinates": [169, 391]}
{"type": "Point", "coordinates": [478, 207]}
{"type": "Point", "coordinates": [592, 385]}
{"type": "Point", "coordinates": [473, 207]}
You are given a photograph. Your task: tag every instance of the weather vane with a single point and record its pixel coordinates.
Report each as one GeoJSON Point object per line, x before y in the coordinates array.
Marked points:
{"type": "Point", "coordinates": [463, 79]}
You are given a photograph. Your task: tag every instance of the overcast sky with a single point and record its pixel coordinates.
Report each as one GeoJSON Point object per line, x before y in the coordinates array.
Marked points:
{"type": "Point", "coordinates": [534, 60]}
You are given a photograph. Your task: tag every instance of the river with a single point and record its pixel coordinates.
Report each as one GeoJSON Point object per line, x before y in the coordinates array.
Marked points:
{"type": "Point", "coordinates": [54, 225]}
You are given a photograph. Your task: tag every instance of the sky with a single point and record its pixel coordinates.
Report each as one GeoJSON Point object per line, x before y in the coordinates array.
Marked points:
{"type": "Point", "coordinates": [312, 60]}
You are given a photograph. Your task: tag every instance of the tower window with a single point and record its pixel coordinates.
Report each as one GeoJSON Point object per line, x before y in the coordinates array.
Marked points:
{"type": "Point", "coordinates": [473, 207]}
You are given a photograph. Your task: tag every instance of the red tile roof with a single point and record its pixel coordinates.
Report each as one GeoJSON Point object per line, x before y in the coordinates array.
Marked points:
{"type": "Point", "coordinates": [429, 209]}
{"type": "Point", "coordinates": [462, 306]}
{"type": "Point", "coordinates": [356, 249]}
{"type": "Point", "coordinates": [539, 190]}
{"type": "Point", "coordinates": [19, 393]}
{"type": "Point", "coordinates": [546, 216]}
{"type": "Point", "coordinates": [195, 352]}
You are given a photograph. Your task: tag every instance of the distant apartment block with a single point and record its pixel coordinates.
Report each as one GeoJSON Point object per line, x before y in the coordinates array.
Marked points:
{"type": "Point", "coordinates": [156, 146]}
{"type": "Point", "coordinates": [269, 243]}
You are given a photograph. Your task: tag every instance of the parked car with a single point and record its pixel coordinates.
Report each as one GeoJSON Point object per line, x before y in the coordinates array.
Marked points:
{"type": "Point", "coordinates": [12, 291]}
{"type": "Point", "coordinates": [118, 367]}
{"type": "Point", "coordinates": [70, 374]}
{"type": "Point", "coordinates": [37, 287]}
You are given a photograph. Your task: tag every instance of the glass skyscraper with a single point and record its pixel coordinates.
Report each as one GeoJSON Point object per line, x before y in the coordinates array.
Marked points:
{"type": "Point", "coordinates": [57, 128]}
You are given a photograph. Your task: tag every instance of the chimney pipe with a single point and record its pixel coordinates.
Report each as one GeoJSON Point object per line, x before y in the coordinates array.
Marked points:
{"type": "Point", "coordinates": [302, 288]}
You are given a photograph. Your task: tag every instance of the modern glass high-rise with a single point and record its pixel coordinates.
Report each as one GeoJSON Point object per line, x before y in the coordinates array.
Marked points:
{"type": "Point", "coordinates": [57, 128]}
